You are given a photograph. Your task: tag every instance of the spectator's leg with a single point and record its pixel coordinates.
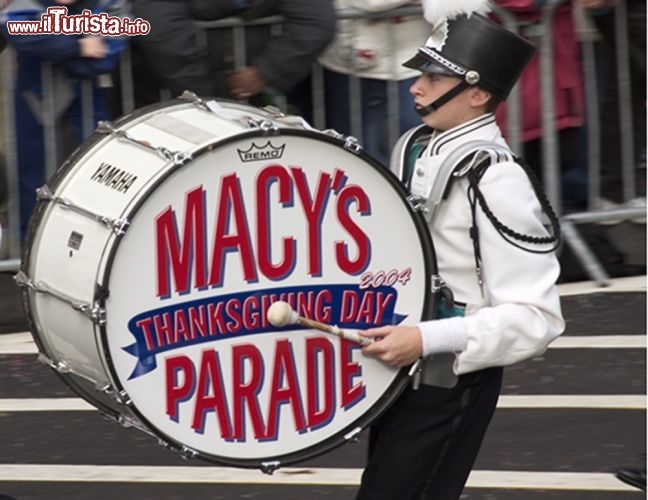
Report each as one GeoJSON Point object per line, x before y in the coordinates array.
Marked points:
{"type": "Point", "coordinates": [31, 160]}
{"type": "Point", "coordinates": [336, 87]}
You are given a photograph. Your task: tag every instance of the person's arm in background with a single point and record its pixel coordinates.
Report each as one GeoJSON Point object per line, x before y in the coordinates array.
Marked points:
{"type": "Point", "coordinates": [104, 58]}
{"type": "Point", "coordinates": [309, 26]}
{"type": "Point", "coordinates": [57, 49]}
{"type": "Point", "coordinates": [52, 48]}
{"type": "Point", "coordinates": [99, 54]}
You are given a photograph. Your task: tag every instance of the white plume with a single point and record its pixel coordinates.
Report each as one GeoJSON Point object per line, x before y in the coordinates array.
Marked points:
{"type": "Point", "coordinates": [437, 10]}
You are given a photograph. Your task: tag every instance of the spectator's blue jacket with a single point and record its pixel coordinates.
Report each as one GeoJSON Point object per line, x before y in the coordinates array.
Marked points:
{"type": "Point", "coordinates": [61, 50]}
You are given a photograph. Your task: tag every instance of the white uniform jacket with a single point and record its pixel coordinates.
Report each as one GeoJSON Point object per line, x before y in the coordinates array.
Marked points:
{"type": "Point", "coordinates": [516, 313]}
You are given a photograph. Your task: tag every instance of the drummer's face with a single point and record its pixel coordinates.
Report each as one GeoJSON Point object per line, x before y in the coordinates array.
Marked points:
{"type": "Point", "coordinates": [429, 87]}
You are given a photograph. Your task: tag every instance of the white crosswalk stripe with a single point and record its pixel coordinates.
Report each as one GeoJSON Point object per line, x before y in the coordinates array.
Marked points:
{"type": "Point", "coordinates": [501, 479]}
{"type": "Point", "coordinates": [603, 402]}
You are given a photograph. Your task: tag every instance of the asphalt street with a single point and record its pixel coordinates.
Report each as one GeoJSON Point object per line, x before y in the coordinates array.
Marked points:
{"type": "Point", "coordinates": [565, 423]}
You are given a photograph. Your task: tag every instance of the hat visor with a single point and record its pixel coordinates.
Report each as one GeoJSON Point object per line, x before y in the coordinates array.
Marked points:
{"type": "Point", "coordinates": [423, 63]}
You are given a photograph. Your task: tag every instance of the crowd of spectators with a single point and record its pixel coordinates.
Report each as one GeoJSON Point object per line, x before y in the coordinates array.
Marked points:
{"type": "Point", "coordinates": [191, 46]}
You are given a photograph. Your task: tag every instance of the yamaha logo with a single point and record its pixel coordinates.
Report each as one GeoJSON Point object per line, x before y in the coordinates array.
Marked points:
{"type": "Point", "coordinates": [265, 152]}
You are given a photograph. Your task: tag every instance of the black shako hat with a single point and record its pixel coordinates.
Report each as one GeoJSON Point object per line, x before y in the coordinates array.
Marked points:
{"type": "Point", "coordinates": [477, 49]}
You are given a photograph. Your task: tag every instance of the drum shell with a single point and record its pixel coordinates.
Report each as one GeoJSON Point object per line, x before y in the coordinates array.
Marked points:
{"type": "Point", "coordinates": [83, 271]}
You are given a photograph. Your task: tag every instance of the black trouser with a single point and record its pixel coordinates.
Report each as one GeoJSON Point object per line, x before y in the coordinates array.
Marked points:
{"type": "Point", "coordinates": [425, 445]}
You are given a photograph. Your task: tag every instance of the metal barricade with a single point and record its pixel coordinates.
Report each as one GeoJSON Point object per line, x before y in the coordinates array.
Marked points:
{"type": "Point", "coordinates": [10, 246]}
{"type": "Point", "coordinates": [550, 147]}
{"type": "Point", "coordinates": [629, 209]}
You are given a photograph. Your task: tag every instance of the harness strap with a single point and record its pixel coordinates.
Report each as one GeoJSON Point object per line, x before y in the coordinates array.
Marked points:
{"type": "Point", "coordinates": [406, 151]}
{"type": "Point", "coordinates": [458, 163]}
{"type": "Point", "coordinates": [450, 94]}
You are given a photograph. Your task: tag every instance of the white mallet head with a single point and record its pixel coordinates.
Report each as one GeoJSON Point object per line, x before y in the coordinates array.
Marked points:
{"type": "Point", "coordinates": [281, 314]}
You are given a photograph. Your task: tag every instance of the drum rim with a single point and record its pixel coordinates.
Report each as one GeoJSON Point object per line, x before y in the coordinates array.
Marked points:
{"type": "Point", "coordinates": [379, 406]}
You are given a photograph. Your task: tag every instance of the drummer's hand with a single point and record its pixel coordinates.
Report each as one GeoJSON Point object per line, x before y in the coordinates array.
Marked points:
{"type": "Point", "coordinates": [246, 83]}
{"type": "Point", "coordinates": [394, 345]}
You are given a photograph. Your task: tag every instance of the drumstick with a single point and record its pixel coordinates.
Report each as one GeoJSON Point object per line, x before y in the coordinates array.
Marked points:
{"type": "Point", "coordinates": [281, 314]}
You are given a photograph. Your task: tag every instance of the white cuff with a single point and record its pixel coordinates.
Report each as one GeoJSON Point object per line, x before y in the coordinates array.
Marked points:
{"type": "Point", "coordinates": [443, 335]}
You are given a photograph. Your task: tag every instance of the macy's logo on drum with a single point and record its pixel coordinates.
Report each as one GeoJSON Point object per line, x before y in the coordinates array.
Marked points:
{"type": "Point", "coordinates": [265, 152]}
{"type": "Point", "coordinates": [181, 245]}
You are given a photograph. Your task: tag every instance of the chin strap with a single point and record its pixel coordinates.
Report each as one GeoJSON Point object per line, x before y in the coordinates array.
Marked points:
{"type": "Point", "coordinates": [450, 94]}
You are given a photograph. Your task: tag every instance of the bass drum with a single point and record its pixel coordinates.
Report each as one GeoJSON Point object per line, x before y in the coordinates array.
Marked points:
{"type": "Point", "coordinates": [157, 248]}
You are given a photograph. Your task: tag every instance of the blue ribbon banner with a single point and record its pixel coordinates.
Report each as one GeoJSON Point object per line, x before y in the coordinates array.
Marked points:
{"type": "Point", "coordinates": [244, 313]}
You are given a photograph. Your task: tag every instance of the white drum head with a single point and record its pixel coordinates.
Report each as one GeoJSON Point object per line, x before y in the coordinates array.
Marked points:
{"type": "Point", "coordinates": [253, 219]}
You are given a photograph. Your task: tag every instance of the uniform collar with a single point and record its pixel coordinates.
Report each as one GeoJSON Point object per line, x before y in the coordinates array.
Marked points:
{"type": "Point", "coordinates": [483, 127]}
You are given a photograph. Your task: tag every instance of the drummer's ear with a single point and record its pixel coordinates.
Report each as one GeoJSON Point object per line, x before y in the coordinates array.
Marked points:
{"type": "Point", "coordinates": [479, 97]}
{"type": "Point", "coordinates": [483, 98]}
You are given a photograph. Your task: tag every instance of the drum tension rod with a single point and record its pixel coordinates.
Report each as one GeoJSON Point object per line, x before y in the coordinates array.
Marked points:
{"type": "Point", "coordinates": [270, 467]}
{"type": "Point", "coordinates": [417, 203]}
{"type": "Point", "coordinates": [120, 397]}
{"type": "Point", "coordinates": [350, 142]}
{"type": "Point", "coordinates": [187, 453]}
{"type": "Point", "coordinates": [333, 133]}
{"type": "Point", "coordinates": [354, 435]}
{"type": "Point", "coordinates": [118, 226]}
{"type": "Point", "coordinates": [63, 368]}
{"type": "Point", "coordinates": [193, 98]}
{"type": "Point", "coordinates": [267, 127]}
{"type": "Point", "coordinates": [95, 313]}
{"type": "Point", "coordinates": [184, 452]}
{"type": "Point", "coordinates": [438, 284]}
{"type": "Point", "coordinates": [123, 398]}
{"type": "Point", "coordinates": [274, 111]}
{"type": "Point", "coordinates": [127, 422]}
{"type": "Point", "coordinates": [178, 158]}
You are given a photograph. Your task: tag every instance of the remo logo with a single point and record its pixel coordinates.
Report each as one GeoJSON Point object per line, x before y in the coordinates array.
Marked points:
{"type": "Point", "coordinates": [207, 254]}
